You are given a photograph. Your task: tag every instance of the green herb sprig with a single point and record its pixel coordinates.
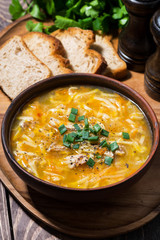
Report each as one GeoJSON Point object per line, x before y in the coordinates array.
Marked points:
{"type": "Point", "coordinates": [96, 15]}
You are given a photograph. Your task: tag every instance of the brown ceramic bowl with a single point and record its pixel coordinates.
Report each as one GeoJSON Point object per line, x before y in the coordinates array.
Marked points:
{"type": "Point", "coordinates": [72, 194]}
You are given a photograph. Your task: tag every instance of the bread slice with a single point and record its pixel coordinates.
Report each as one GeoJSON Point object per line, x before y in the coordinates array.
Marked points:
{"type": "Point", "coordinates": [116, 68]}
{"type": "Point", "coordinates": [19, 68]}
{"type": "Point", "coordinates": [77, 42]}
{"type": "Point", "coordinates": [48, 49]}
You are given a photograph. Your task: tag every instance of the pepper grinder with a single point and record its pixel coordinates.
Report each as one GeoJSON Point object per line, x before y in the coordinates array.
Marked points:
{"type": "Point", "coordinates": [136, 42]}
{"type": "Point", "coordinates": [152, 71]}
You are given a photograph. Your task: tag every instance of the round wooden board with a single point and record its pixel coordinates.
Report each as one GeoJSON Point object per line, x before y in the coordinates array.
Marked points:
{"type": "Point", "coordinates": [121, 213]}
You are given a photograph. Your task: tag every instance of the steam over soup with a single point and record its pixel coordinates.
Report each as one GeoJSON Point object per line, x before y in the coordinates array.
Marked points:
{"type": "Point", "coordinates": [81, 137]}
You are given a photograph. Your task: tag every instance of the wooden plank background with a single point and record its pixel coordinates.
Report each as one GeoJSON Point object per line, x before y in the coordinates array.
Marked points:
{"type": "Point", "coordinates": [17, 224]}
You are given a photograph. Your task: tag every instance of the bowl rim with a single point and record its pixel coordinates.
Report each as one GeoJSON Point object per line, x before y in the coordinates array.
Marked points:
{"type": "Point", "coordinates": [155, 139]}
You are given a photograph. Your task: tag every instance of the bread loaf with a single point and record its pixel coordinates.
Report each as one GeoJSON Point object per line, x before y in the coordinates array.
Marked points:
{"type": "Point", "coordinates": [116, 67]}
{"type": "Point", "coordinates": [48, 49]}
{"type": "Point", "coordinates": [76, 43]}
{"type": "Point", "coordinates": [19, 68]}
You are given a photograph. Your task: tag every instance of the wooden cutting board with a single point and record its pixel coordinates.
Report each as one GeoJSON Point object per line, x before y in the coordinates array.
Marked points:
{"type": "Point", "coordinates": [127, 211]}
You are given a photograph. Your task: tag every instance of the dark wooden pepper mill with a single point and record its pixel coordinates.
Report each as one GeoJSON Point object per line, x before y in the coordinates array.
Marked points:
{"type": "Point", "coordinates": [152, 71]}
{"type": "Point", "coordinates": [136, 42]}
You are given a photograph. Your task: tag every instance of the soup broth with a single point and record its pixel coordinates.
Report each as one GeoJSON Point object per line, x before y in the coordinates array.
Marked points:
{"type": "Point", "coordinates": [81, 137]}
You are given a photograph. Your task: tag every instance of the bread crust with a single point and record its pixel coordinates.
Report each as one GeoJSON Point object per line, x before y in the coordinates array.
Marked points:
{"type": "Point", "coordinates": [25, 46]}
{"type": "Point", "coordinates": [118, 72]}
{"type": "Point", "coordinates": [12, 81]}
{"type": "Point", "coordinates": [56, 50]}
{"type": "Point", "coordinates": [85, 37]}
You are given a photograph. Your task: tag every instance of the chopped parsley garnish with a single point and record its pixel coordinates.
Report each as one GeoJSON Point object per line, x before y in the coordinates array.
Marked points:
{"type": "Point", "coordinates": [74, 138]}
{"type": "Point", "coordinates": [81, 118]}
{"type": "Point", "coordinates": [77, 127]}
{"type": "Point", "coordinates": [125, 135]}
{"type": "Point", "coordinates": [108, 160]}
{"type": "Point", "coordinates": [74, 111]}
{"type": "Point", "coordinates": [97, 127]}
{"type": "Point", "coordinates": [75, 146]}
{"type": "Point", "coordinates": [108, 146]}
{"type": "Point", "coordinates": [91, 130]}
{"type": "Point", "coordinates": [66, 144]}
{"type": "Point", "coordinates": [70, 138]}
{"type": "Point", "coordinates": [104, 144]}
{"type": "Point", "coordinates": [74, 134]}
{"type": "Point", "coordinates": [64, 138]}
{"type": "Point", "coordinates": [90, 162]}
{"type": "Point", "coordinates": [101, 143]}
{"type": "Point", "coordinates": [114, 146]}
{"type": "Point", "coordinates": [79, 140]}
{"type": "Point", "coordinates": [104, 133]}
{"type": "Point", "coordinates": [86, 123]}
{"type": "Point", "coordinates": [79, 133]}
{"type": "Point", "coordinates": [72, 117]}
{"type": "Point", "coordinates": [85, 135]}
{"type": "Point", "coordinates": [98, 156]}
{"type": "Point", "coordinates": [94, 138]}
{"type": "Point", "coordinates": [62, 129]}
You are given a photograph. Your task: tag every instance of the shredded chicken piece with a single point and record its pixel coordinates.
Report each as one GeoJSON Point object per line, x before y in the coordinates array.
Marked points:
{"type": "Point", "coordinates": [86, 147]}
{"type": "Point", "coordinates": [70, 127]}
{"type": "Point", "coordinates": [109, 154]}
{"type": "Point", "coordinates": [121, 151]}
{"type": "Point", "coordinates": [54, 121]}
{"type": "Point", "coordinates": [76, 160]}
{"type": "Point", "coordinates": [55, 147]}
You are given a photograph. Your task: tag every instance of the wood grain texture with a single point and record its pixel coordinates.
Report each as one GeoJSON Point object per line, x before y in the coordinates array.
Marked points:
{"type": "Point", "coordinates": [57, 214]}
{"type": "Point", "coordinates": [5, 233]}
{"type": "Point", "coordinates": [24, 227]}
{"type": "Point", "coordinates": [5, 17]}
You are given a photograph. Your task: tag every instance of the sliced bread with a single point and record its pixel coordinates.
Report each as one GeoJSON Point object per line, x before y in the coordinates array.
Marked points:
{"type": "Point", "coordinates": [48, 49]}
{"type": "Point", "coordinates": [76, 43]}
{"type": "Point", "coordinates": [19, 68]}
{"type": "Point", "coordinates": [116, 67]}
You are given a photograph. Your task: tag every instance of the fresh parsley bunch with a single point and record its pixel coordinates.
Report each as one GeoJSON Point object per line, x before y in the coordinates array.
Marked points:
{"type": "Point", "coordinates": [103, 15]}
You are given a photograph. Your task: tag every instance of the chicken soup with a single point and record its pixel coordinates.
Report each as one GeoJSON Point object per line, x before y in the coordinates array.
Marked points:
{"type": "Point", "coordinates": [81, 137]}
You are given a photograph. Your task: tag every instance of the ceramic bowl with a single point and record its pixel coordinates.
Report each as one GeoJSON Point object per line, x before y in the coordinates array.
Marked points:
{"type": "Point", "coordinates": [66, 193]}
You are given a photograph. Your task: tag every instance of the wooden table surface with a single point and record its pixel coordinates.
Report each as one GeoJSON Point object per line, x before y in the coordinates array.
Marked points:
{"type": "Point", "coordinates": [17, 224]}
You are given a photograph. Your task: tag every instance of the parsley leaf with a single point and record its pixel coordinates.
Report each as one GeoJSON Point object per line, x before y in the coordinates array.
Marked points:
{"type": "Point", "coordinates": [70, 3]}
{"type": "Point", "coordinates": [123, 21]}
{"type": "Point", "coordinates": [98, 4]}
{"type": "Point", "coordinates": [49, 29]}
{"type": "Point", "coordinates": [64, 23]}
{"type": "Point", "coordinates": [34, 27]}
{"type": "Point", "coordinates": [73, 10]}
{"type": "Point", "coordinates": [37, 13]}
{"type": "Point", "coordinates": [91, 12]}
{"type": "Point", "coordinates": [16, 10]}
{"type": "Point", "coordinates": [117, 13]}
{"type": "Point", "coordinates": [40, 27]}
{"type": "Point", "coordinates": [101, 23]}
{"type": "Point", "coordinates": [103, 15]}
{"type": "Point", "coordinates": [50, 7]}
{"type": "Point", "coordinates": [85, 23]}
